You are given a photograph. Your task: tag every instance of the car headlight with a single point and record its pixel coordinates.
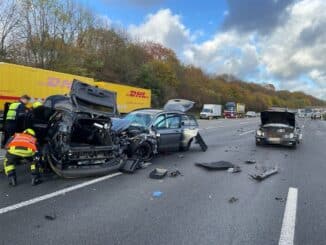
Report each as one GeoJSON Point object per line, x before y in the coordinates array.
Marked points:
{"type": "Point", "coordinates": [260, 132]}
{"type": "Point", "coordinates": [289, 136]}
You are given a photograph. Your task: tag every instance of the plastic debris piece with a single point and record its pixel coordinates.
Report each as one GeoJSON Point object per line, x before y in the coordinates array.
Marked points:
{"type": "Point", "coordinates": [158, 173]}
{"type": "Point", "coordinates": [264, 174]}
{"type": "Point", "coordinates": [220, 165]}
{"type": "Point", "coordinates": [235, 169]}
{"type": "Point", "coordinates": [181, 156]}
{"type": "Point", "coordinates": [233, 200]}
{"type": "Point", "coordinates": [250, 161]}
{"type": "Point", "coordinates": [201, 142]}
{"type": "Point", "coordinates": [157, 193]}
{"type": "Point", "coordinates": [50, 217]}
{"type": "Point", "coordinates": [280, 199]}
{"type": "Point", "coordinates": [130, 165]}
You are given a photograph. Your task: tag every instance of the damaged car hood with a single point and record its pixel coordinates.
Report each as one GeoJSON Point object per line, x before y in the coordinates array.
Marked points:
{"type": "Point", "coordinates": [179, 105]}
{"type": "Point", "coordinates": [94, 99]}
{"type": "Point", "coordinates": [277, 117]}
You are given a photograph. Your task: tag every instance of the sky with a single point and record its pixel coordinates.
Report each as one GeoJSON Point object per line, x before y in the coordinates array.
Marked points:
{"type": "Point", "coordinates": [282, 42]}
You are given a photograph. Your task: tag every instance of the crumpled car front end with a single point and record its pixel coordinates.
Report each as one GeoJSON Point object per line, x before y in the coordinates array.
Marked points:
{"type": "Point", "coordinates": [278, 127]}
{"type": "Point", "coordinates": [82, 140]}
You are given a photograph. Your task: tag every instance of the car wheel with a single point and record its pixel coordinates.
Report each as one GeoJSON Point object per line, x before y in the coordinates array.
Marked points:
{"type": "Point", "coordinates": [145, 151]}
{"type": "Point", "coordinates": [186, 148]}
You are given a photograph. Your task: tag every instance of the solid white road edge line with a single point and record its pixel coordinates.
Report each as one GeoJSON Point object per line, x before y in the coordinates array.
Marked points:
{"type": "Point", "coordinates": [56, 193]}
{"type": "Point", "coordinates": [247, 132]}
{"type": "Point", "coordinates": [288, 224]}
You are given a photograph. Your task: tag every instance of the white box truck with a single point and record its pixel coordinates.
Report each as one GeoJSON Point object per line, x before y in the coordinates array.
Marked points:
{"type": "Point", "coordinates": [211, 111]}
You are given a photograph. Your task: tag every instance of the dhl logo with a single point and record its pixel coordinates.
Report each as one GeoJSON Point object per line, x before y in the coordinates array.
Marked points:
{"type": "Point", "coordinates": [137, 94]}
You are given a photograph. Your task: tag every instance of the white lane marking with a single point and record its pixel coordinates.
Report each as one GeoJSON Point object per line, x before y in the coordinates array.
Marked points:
{"type": "Point", "coordinates": [288, 225]}
{"type": "Point", "coordinates": [56, 193]}
{"type": "Point", "coordinates": [244, 123]}
{"type": "Point", "coordinates": [247, 132]}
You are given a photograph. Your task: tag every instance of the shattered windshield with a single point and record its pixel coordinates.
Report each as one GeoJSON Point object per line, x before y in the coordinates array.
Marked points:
{"type": "Point", "coordinates": [139, 119]}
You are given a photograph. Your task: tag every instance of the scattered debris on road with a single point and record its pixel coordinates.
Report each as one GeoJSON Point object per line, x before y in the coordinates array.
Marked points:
{"type": "Point", "coordinates": [280, 199]}
{"type": "Point", "coordinates": [158, 173]}
{"type": "Point", "coordinates": [235, 169]}
{"type": "Point", "coordinates": [175, 173]}
{"type": "Point", "coordinates": [251, 161]}
{"type": "Point", "coordinates": [130, 165]}
{"type": "Point", "coordinates": [233, 200]}
{"type": "Point", "coordinates": [220, 165]}
{"type": "Point", "coordinates": [157, 194]}
{"type": "Point", "coordinates": [50, 217]}
{"type": "Point", "coordinates": [181, 156]}
{"type": "Point", "coordinates": [265, 174]}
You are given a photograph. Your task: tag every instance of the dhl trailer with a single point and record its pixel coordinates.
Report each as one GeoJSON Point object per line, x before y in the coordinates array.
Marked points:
{"type": "Point", "coordinates": [16, 80]}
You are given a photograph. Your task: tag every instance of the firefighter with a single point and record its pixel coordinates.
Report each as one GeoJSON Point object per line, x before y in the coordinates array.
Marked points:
{"type": "Point", "coordinates": [22, 146]}
{"type": "Point", "coordinates": [15, 117]}
{"type": "Point", "coordinates": [37, 104]}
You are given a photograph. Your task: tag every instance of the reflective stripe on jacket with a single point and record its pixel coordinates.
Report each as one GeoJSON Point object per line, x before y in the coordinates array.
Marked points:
{"type": "Point", "coordinates": [12, 111]}
{"type": "Point", "coordinates": [22, 145]}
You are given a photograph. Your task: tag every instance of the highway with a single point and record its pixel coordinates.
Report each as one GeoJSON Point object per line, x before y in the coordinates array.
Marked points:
{"type": "Point", "coordinates": [195, 208]}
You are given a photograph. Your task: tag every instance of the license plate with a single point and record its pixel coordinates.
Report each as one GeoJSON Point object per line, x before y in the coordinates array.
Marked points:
{"type": "Point", "coordinates": [274, 140]}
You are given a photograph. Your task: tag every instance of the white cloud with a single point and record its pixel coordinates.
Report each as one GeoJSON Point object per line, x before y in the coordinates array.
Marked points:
{"type": "Point", "coordinates": [293, 49]}
{"type": "Point", "coordinates": [165, 28]}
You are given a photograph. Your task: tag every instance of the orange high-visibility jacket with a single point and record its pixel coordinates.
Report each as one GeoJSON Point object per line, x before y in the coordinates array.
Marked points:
{"type": "Point", "coordinates": [24, 141]}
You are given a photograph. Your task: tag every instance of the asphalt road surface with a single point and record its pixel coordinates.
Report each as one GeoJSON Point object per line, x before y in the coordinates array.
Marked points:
{"type": "Point", "coordinates": [287, 208]}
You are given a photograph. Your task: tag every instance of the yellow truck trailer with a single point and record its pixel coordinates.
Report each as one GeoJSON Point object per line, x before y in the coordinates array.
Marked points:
{"type": "Point", "coordinates": [16, 80]}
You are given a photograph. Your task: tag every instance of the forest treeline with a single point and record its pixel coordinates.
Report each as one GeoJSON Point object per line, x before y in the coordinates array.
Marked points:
{"type": "Point", "coordinates": [64, 36]}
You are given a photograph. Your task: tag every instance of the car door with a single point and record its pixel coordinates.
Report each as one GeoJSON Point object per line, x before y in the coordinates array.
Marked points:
{"type": "Point", "coordinates": [168, 127]}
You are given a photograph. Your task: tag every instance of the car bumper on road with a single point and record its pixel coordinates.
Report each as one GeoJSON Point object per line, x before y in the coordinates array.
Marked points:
{"type": "Point", "coordinates": [276, 141]}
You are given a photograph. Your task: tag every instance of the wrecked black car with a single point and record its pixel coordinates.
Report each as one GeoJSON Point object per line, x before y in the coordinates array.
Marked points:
{"type": "Point", "coordinates": [278, 127]}
{"type": "Point", "coordinates": [81, 136]}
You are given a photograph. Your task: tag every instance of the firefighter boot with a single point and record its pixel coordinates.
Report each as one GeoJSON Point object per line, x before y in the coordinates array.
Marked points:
{"type": "Point", "coordinates": [12, 179]}
{"type": "Point", "coordinates": [36, 180]}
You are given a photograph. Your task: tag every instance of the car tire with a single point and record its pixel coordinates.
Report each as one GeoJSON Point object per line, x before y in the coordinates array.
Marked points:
{"type": "Point", "coordinates": [186, 148]}
{"type": "Point", "coordinates": [145, 150]}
